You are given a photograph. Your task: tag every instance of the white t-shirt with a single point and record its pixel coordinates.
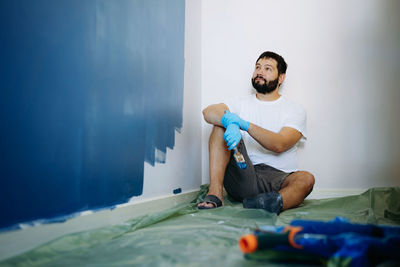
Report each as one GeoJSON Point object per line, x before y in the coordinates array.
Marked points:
{"type": "Point", "coordinates": [273, 116]}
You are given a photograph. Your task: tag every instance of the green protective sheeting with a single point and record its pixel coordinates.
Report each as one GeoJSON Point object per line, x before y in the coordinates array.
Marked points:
{"type": "Point", "coordinates": [186, 236]}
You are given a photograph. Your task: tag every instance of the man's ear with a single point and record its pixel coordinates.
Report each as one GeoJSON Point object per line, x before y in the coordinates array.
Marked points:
{"type": "Point", "coordinates": [281, 78]}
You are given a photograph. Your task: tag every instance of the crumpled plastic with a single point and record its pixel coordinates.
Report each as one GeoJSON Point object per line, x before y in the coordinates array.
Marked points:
{"type": "Point", "coordinates": [186, 236]}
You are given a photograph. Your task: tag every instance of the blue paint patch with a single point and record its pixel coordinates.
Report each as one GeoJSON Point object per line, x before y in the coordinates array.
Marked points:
{"type": "Point", "coordinates": [177, 191]}
{"type": "Point", "coordinates": [242, 165]}
{"type": "Point", "coordinates": [89, 91]}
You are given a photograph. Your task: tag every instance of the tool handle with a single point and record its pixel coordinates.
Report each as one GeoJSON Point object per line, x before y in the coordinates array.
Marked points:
{"type": "Point", "coordinates": [261, 240]}
{"type": "Point", "coordinates": [252, 242]}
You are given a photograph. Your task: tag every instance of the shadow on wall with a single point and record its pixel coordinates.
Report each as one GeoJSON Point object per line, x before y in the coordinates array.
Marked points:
{"type": "Point", "coordinates": [89, 90]}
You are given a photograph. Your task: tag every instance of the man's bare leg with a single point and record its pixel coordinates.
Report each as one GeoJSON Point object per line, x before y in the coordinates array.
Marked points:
{"type": "Point", "coordinates": [219, 156]}
{"type": "Point", "coordinates": [296, 187]}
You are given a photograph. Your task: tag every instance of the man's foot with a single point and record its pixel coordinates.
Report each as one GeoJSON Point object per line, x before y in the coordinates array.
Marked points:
{"type": "Point", "coordinates": [271, 201]}
{"type": "Point", "coordinates": [210, 202]}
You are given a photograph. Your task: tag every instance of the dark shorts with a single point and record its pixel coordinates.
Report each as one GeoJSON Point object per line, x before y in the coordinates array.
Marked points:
{"type": "Point", "coordinates": [254, 180]}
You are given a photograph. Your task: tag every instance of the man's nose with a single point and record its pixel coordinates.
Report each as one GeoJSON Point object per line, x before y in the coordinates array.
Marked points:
{"type": "Point", "coordinates": [259, 73]}
{"type": "Point", "coordinates": [261, 70]}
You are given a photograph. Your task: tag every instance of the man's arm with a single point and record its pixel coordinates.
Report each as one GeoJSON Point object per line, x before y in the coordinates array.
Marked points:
{"type": "Point", "coordinates": [276, 142]}
{"type": "Point", "coordinates": [213, 113]}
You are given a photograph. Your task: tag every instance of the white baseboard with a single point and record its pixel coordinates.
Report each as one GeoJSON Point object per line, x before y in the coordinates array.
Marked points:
{"type": "Point", "coordinates": [15, 242]}
{"type": "Point", "coordinates": [319, 193]}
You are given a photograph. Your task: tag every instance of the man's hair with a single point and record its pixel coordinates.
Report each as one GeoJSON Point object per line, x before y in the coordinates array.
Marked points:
{"type": "Point", "coordinates": [282, 66]}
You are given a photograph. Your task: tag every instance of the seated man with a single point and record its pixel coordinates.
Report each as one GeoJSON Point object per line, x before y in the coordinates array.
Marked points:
{"type": "Point", "coordinates": [265, 128]}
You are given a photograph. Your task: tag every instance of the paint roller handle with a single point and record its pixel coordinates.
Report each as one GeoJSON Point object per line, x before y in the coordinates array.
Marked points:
{"type": "Point", "coordinates": [262, 240]}
{"type": "Point", "coordinates": [253, 242]}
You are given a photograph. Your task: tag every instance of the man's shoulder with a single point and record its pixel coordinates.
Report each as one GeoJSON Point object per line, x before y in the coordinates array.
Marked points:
{"type": "Point", "coordinates": [292, 104]}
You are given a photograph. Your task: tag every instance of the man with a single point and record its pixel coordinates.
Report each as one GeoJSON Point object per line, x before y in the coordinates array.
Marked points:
{"type": "Point", "coordinates": [271, 127]}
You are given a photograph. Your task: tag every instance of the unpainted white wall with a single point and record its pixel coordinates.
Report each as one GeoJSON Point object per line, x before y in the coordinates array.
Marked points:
{"type": "Point", "coordinates": [343, 68]}
{"type": "Point", "coordinates": [182, 168]}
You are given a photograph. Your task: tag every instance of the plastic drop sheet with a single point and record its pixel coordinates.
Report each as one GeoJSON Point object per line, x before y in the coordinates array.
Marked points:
{"type": "Point", "coordinates": [186, 236]}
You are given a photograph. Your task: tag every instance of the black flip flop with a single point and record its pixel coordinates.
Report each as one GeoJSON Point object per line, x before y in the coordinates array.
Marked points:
{"type": "Point", "coordinates": [211, 199]}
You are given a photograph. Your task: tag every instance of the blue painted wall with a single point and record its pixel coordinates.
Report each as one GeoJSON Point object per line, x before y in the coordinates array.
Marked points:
{"type": "Point", "coordinates": [89, 89]}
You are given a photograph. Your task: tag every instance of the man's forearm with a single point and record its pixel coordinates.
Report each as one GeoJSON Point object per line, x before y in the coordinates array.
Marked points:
{"type": "Point", "coordinates": [276, 142]}
{"type": "Point", "coordinates": [213, 113]}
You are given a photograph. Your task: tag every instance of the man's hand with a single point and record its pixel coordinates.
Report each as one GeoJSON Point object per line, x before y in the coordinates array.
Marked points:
{"type": "Point", "coordinates": [229, 118]}
{"type": "Point", "coordinates": [232, 136]}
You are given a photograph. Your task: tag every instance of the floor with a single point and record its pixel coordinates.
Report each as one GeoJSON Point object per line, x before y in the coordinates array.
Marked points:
{"type": "Point", "coordinates": [185, 236]}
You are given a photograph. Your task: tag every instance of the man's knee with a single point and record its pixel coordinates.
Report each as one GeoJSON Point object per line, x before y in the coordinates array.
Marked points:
{"type": "Point", "coordinates": [303, 178]}
{"type": "Point", "coordinates": [308, 181]}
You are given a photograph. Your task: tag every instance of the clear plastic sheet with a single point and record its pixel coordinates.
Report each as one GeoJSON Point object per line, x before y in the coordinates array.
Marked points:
{"type": "Point", "coordinates": [186, 236]}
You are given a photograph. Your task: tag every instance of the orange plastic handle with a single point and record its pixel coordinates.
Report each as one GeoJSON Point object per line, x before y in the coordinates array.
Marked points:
{"type": "Point", "coordinates": [293, 230]}
{"type": "Point", "coordinates": [248, 243]}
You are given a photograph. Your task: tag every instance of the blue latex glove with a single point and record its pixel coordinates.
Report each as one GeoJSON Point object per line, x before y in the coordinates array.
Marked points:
{"type": "Point", "coordinates": [232, 136]}
{"type": "Point", "coordinates": [230, 118]}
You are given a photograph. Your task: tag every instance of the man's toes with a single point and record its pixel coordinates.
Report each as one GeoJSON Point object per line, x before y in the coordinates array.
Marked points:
{"type": "Point", "coordinates": [204, 204]}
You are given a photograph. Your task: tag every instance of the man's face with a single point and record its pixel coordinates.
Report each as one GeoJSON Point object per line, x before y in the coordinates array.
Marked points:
{"type": "Point", "coordinates": [265, 77]}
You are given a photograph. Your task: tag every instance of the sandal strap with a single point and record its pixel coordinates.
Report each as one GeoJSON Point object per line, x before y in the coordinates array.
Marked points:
{"type": "Point", "coordinates": [214, 200]}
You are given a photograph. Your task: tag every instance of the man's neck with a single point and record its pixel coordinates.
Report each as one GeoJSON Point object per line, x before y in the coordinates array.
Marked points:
{"type": "Point", "coordinates": [274, 95]}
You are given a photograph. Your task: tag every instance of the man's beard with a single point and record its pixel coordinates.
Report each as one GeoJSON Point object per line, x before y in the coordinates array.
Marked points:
{"type": "Point", "coordinates": [265, 88]}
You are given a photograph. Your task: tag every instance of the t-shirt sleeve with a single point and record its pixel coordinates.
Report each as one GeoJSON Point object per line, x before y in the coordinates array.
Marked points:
{"type": "Point", "coordinates": [297, 119]}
